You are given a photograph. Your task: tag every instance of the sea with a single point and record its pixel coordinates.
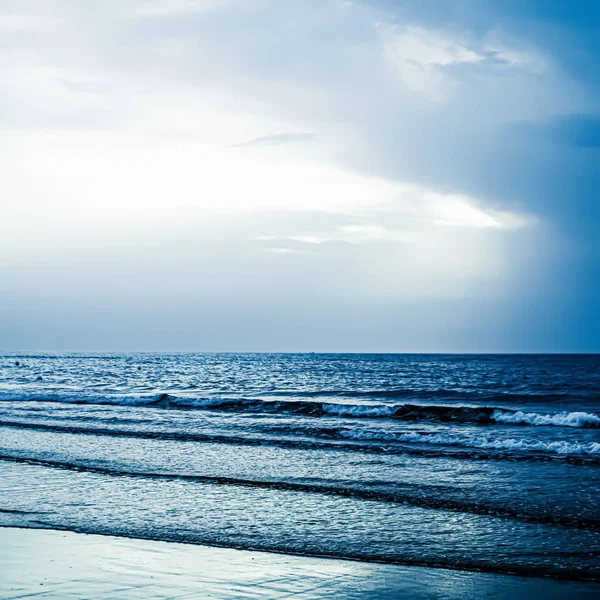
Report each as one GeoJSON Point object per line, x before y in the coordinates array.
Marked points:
{"type": "Point", "coordinates": [472, 462]}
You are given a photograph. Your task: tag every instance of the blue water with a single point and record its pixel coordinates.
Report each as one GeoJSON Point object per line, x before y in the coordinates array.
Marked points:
{"type": "Point", "coordinates": [472, 462]}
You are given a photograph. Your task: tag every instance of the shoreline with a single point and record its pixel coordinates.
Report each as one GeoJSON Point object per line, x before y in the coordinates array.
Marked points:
{"type": "Point", "coordinates": [65, 564]}
{"type": "Point", "coordinates": [371, 560]}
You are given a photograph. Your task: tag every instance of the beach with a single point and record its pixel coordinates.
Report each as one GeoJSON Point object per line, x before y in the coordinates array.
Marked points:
{"type": "Point", "coordinates": [37, 563]}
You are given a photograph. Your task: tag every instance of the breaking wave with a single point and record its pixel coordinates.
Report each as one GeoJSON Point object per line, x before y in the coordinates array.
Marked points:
{"type": "Point", "coordinates": [563, 419]}
{"type": "Point", "coordinates": [406, 412]}
{"type": "Point", "coordinates": [561, 447]}
{"type": "Point", "coordinates": [365, 440]}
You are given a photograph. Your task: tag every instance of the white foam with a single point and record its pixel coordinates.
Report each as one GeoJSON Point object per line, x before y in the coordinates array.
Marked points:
{"type": "Point", "coordinates": [77, 398]}
{"type": "Point", "coordinates": [353, 410]}
{"type": "Point", "coordinates": [561, 447]}
{"type": "Point", "coordinates": [564, 419]}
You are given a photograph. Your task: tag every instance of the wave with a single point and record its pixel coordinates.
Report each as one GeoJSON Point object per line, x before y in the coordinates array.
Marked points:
{"type": "Point", "coordinates": [481, 415]}
{"type": "Point", "coordinates": [564, 419]}
{"type": "Point", "coordinates": [561, 447]}
{"type": "Point", "coordinates": [422, 498]}
{"type": "Point", "coordinates": [447, 394]}
{"type": "Point", "coordinates": [451, 446]}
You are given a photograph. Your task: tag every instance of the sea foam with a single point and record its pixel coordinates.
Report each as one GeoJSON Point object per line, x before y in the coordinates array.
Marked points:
{"type": "Point", "coordinates": [447, 413]}
{"type": "Point", "coordinates": [563, 419]}
{"type": "Point", "coordinates": [561, 447]}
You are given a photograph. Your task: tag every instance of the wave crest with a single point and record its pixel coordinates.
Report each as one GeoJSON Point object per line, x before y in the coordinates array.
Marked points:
{"type": "Point", "coordinates": [478, 415]}
{"type": "Point", "coordinates": [561, 447]}
{"type": "Point", "coordinates": [564, 419]}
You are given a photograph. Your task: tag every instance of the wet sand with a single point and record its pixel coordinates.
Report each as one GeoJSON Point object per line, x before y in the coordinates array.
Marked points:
{"type": "Point", "coordinates": [37, 563]}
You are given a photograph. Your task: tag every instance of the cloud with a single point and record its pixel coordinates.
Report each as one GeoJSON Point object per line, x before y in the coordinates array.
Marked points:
{"type": "Point", "coordinates": [110, 174]}
{"type": "Point", "coordinates": [162, 8]}
{"type": "Point", "coordinates": [83, 86]}
{"type": "Point", "coordinates": [459, 211]}
{"type": "Point", "coordinates": [127, 117]}
{"type": "Point", "coordinates": [351, 234]}
{"type": "Point", "coordinates": [426, 59]}
{"type": "Point", "coordinates": [434, 210]}
{"type": "Point", "coordinates": [415, 216]}
{"type": "Point", "coordinates": [17, 22]}
{"type": "Point", "coordinates": [357, 234]}
{"type": "Point", "coordinates": [427, 48]}
{"type": "Point", "coordinates": [276, 139]}
{"type": "Point", "coordinates": [284, 251]}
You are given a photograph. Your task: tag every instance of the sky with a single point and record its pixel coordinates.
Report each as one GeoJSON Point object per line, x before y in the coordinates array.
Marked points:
{"type": "Point", "coordinates": [300, 175]}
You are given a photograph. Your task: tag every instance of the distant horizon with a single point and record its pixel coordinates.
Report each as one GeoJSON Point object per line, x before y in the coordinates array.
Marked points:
{"type": "Point", "coordinates": [309, 352]}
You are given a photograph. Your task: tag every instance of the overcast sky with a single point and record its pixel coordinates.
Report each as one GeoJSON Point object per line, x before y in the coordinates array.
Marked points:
{"type": "Point", "coordinates": [300, 175]}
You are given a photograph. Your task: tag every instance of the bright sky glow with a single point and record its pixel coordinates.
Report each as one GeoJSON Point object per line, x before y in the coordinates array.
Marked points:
{"type": "Point", "coordinates": [401, 151]}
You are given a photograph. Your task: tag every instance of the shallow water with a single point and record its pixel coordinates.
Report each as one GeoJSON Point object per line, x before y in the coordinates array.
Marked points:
{"type": "Point", "coordinates": [472, 462]}
{"type": "Point", "coordinates": [93, 566]}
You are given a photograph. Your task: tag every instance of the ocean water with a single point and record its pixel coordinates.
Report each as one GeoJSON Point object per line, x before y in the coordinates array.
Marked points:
{"type": "Point", "coordinates": [470, 462]}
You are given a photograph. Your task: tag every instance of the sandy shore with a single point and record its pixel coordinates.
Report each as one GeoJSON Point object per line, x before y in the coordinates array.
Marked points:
{"type": "Point", "coordinates": [56, 564]}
